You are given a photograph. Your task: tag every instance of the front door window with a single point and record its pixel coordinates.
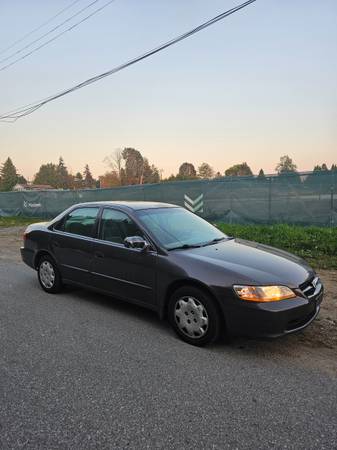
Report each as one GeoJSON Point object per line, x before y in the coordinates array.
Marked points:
{"type": "Point", "coordinates": [116, 226]}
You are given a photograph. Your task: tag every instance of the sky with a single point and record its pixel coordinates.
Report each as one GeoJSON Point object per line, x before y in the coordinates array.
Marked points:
{"type": "Point", "coordinates": [260, 84]}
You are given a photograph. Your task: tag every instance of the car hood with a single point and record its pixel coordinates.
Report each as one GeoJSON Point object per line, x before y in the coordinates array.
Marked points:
{"type": "Point", "coordinates": [253, 262]}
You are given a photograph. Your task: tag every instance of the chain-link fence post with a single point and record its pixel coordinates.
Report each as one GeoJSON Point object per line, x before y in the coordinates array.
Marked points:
{"type": "Point", "coordinates": [332, 198]}
{"type": "Point", "coordinates": [231, 200]}
{"type": "Point", "coordinates": [269, 200]}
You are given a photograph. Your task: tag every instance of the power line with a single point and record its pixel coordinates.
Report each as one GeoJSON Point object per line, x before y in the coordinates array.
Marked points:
{"type": "Point", "coordinates": [30, 108]}
{"type": "Point", "coordinates": [57, 36]}
{"type": "Point", "coordinates": [39, 27]}
{"type": "Point", "coordinates": [47, 33]}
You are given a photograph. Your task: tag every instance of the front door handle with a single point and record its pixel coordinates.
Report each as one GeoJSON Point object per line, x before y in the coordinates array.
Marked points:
{"type": "Point", "coordinates": [99, 255]}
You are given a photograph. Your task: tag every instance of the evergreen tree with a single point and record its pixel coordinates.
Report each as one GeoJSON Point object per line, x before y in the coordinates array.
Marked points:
{"type": "Point", "coordinates": [88, 179]}
{"type": "Point", "coordinates": [261, 175]}
{"type": "Point", "coordinates": [63, 175]}
{"type": "Point", "coordinates": [21, 179]}
{"type": "Point", "coordinates": [8, 175]}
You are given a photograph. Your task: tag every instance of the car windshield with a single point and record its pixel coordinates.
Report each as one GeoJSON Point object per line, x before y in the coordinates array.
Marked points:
{"type": "Point", "coordinates": [178, 228]}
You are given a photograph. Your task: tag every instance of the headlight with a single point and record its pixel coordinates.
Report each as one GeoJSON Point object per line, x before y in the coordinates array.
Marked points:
{"type": "Point", "coordinates": [264, 293]}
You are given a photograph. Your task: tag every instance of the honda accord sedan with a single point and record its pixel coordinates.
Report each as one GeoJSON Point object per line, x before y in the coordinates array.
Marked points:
{"type": "Point", "coordinates": [172, 261]}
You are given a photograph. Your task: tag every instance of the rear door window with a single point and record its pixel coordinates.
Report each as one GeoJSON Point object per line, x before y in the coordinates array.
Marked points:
{"type": "Point", "coordinates": [81, 221]}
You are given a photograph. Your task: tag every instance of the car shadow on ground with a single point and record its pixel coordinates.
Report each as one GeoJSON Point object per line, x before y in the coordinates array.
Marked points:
{"type": "Point", "coordinates": [149, 316]}
{"type": "Point", "coordinates": [295, 348]}
{"type": "Point", "coordinates": [124, 308]}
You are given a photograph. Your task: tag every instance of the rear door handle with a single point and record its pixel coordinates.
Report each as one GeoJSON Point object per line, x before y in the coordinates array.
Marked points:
{"type": "Point", "coordinates": [56, 244]}
{"type": "Point", "coordinates": [99, 255]}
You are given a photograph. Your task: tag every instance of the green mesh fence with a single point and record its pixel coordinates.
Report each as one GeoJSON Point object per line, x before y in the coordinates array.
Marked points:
{"type": "Point", "coordinates": [304, 198]}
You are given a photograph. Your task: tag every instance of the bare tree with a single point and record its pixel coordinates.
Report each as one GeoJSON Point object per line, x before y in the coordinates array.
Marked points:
{"type": "Point", "coordinates": [115, 161]}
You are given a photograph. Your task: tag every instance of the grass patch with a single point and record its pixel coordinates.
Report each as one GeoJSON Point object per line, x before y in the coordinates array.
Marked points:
{"type": "Point", "coordinates": [317, 245]}
{"type": "Point", "coordinates": [18, 221]}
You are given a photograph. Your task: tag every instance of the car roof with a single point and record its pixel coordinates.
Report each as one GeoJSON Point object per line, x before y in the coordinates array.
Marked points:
{"type": "Point", "coordinates": [133, 205]}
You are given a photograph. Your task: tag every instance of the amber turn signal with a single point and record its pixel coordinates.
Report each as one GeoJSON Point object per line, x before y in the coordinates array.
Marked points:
{"type": "Point", "coordinates": [264, 293]}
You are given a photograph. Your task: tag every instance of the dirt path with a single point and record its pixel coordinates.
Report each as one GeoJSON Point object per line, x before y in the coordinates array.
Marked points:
{"type": "Point", "coordinates": [10, 242]}
{"type": "Point", "coordinates": [316, 346]}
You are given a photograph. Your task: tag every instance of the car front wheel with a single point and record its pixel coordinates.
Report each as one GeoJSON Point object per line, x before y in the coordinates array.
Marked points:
{"type": "Point", "coordinates": [49, 275]}
{"type": "Point", "coordinates": [195, 316]}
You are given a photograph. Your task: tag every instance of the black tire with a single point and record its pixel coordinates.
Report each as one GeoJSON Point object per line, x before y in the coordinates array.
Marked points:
{"type": "Point", "coordinates": [55, 284]}
{"type": "Point", "coordinates": [203, 308]}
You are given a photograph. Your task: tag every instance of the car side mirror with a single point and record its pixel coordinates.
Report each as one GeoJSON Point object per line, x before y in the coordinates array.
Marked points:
{"type": "Point", "coordinates": [136, 242]}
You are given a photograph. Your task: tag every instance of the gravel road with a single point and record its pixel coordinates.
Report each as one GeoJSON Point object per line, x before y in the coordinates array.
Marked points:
{"type": "Point", "coordinates": [83, 371]}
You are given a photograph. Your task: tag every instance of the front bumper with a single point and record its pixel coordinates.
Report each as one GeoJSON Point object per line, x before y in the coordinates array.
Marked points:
{"type": "Point", "coordinates": [272, 319]}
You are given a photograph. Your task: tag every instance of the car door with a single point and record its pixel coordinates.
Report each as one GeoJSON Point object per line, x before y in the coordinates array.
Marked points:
{"type": "Point", "coordinates": [124, 272]}
{"type": "Point", "coordinates": [72, 243]}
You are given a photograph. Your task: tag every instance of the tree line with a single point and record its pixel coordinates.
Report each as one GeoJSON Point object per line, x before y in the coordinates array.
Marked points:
{"type": "Point", "coordinates": [50, 174]}
{"type": "Point", "coordinates": [129, 167]}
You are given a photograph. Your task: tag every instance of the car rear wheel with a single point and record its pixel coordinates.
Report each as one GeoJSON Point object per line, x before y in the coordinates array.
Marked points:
{"type": "Point", "coordinates": [49, 275]}
{"type": "Point", "coordinates": [194, 316]}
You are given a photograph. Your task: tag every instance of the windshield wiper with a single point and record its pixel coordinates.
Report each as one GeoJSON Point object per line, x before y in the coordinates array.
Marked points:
{"type": "Point", "coordinates": [213, 241]}
{"type": "Point", "coordinates": [216, 240]}
{"type": "Point", "coordinates": [184, 246]}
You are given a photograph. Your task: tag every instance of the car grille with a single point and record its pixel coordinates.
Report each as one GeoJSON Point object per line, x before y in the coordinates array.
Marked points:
{"type": "Point", "coordinates": [311, 287]}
